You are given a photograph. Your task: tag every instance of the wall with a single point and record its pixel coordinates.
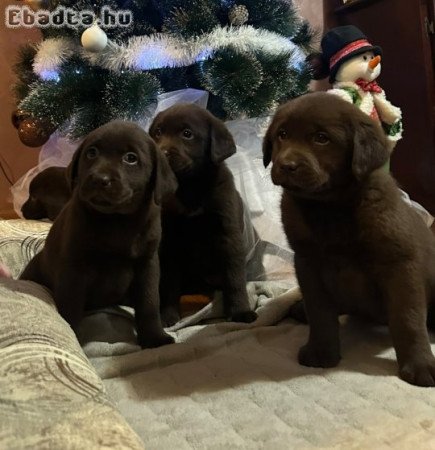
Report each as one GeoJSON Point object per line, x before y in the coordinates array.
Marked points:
{"type": "Point", "coordinates": [21, 158]}
{"type": "Point", "coordinates": [17, 156]}
{"type": "Point", "coordinates": [312, 10]}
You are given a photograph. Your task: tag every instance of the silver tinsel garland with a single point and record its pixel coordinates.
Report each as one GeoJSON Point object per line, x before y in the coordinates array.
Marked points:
{"type": "Point", "coordinates": [163, 51]}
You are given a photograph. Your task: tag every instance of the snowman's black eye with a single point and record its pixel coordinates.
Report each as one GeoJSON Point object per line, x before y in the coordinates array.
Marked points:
{"type": "Point", "coordinates": [365, 58]}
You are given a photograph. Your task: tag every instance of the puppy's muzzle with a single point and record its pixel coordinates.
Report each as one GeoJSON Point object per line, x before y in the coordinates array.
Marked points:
{"type": "Point", "coordinates": [33, 209]}
{"type": "Point", "coordinates": [294, 170]}
{"type": "Point", "coordinates": [167, 147]}
{"type": "Point", "coordinates": [102, 181]}
{"type": "Point", "coordinates": [168, 151]}
{"type": "Point", "coordinates": [177, 158]}
{"type": "Point", "coordinates": [104, 189]}
{"type": "Point", "coordinates": [288, 167]}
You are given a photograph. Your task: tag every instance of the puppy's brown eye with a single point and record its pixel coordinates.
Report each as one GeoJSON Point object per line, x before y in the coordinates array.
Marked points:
{"type": "Point", "coordinates": [130, 158]}
{"type": "Point", "coordinates": [91, 153]}
{"type": "Point", "coordinates": [187, 134]}
{"type": "Point", "coordinates": [321, 138]}
{"type": "Point", "coordinates": [157, 132]}
{"type": "Point", "coordinates": [282, 135]}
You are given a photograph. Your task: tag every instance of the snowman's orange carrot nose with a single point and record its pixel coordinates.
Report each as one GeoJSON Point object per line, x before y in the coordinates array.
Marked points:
{"type": "Point", "coordinates": [374, 62]}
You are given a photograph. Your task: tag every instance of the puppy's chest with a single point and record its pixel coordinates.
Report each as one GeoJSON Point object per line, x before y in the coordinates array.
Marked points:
{"type": "Point", "coordinates": [192, 229]}
{"type": "Point", "coordinates": [323, 229]}
{"type": "Point", "coordinates": [125, 242]}
{"type": "Point", "coordinates": [185, 204]}
{"type": "Point", "coordinates": [108, 282]}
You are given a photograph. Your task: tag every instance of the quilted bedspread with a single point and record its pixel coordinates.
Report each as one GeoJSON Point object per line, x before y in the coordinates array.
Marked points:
{"type": "Point", "coordinates": [226, 385]}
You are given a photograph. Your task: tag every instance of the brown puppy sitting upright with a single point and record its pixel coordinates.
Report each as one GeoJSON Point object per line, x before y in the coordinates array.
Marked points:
{"type": "Point", "coordinates": [102, 249]}
{"type": "Point", "coordinates": [202, 242]}
{"type": "Point", "coordinates": [359, 248]}
{"type": "Point", "coordinates": [48, 193]}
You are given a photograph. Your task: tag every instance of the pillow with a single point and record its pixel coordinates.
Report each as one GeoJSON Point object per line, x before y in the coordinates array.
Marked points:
{"type": "Point", "coordinates": [51, 397]}
{"type": "Point", "coordinates": [19, 241]}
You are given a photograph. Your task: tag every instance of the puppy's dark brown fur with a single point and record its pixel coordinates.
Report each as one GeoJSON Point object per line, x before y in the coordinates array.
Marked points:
{"type": "Point", "coordinates": [359, 249]}
{"type": "Point", "coordinates": [103, 248]}
{"type": "Point", "coordinates": [48, 193]}
{"type": "Point", "coordinates": [202, 245]}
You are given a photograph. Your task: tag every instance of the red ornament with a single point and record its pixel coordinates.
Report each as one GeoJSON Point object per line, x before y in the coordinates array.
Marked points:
{"type": "Point", "coordinates": [34, 132]}
{"type": "Point", "coordinates": [18, 116]}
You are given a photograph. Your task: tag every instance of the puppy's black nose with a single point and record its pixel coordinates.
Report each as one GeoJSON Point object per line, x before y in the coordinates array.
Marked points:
{"type": "Point", "coordinates": [289, 166]}
{"type": "Point", "coordinates": [167, 150]}
{"type": "Point", "coordinates": [104, 181]}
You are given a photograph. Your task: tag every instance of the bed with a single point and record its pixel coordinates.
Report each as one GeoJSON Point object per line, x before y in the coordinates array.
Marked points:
{"type": "Point", "coordinates": [222, 385]}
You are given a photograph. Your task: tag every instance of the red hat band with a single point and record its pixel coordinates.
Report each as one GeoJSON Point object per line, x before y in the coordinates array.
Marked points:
{"type": "Point", "coordinates": [356, 45]}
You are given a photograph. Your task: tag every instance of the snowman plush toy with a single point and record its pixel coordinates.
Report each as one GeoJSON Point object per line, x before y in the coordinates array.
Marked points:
{"type": "Point", "coordinates": [353, 64]}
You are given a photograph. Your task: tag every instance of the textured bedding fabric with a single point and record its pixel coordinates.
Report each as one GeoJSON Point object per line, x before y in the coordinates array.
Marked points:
{"type": "Point", "coordinates": [227, 385]}
{"type": "Point", "coordinates": [19, 241]}
{"type": "Point", "coordinates": [50, 396]}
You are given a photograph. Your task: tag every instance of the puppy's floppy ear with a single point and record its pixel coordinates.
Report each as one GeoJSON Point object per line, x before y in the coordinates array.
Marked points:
{"type": "Point", "coordinates": [369, 148]}
{"type": "Point", "coordinates": [267, 146]}
{"type": "Point", "coordinates": [72, 171]}
{"type": "Point", "coordinates": [154, 124]}
{"type": "Point", "coordinates": [222, 144]}
{"type": "Point", "coordinates": [165, 180]}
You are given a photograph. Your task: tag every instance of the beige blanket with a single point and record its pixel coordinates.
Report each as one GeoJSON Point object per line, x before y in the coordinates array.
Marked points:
{"type": "Point", "coordinates": [226, 385]}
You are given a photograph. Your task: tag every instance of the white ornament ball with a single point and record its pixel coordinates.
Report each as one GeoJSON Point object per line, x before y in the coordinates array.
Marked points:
{"type": "Point", "coordinates": [94, 39]}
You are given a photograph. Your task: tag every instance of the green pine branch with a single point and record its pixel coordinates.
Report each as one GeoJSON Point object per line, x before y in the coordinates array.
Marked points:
{"type": "Point", "coordinates": [85, 97]}
{"type": "Point", "coordinates": [246, 84]}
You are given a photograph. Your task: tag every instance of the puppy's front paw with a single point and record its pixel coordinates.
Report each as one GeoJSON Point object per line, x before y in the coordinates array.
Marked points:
{"type": "Point", "coordinates": [244, 316]}
{"type": "Point", "coordinates": [156, 340]}
{"type": "Point", "coordinates": [419, 373]}
{"type": "Point", "coordinates": [312, 357]}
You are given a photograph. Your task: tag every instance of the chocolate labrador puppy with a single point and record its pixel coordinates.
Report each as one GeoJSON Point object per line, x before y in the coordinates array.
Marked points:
{"type": "Point", "coordinates": [48, 193]}
{"type": "Point", "coordinates": [202, 243]}
{"type": "Point", "coordinates": [102, 249]}
{"type": "Point", "coordinates": [359, 248]}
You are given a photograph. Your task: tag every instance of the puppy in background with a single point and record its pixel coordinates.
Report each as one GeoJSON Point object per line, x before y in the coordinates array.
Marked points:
{"type": "Point", "coordinates": [359, 248]}
{"type": "Point", "coordinates": [102, 249]}
{"type": "Point", "coordinates": [202, 242]}
{"type": "Point", "coordinates": [48, 193]}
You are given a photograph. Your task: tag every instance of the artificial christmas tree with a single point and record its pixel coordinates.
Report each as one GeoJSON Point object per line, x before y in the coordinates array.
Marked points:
{"type": "Point", "coordinates": [249, 55]}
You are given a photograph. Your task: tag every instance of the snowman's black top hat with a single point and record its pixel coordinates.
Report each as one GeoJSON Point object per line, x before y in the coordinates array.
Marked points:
{"type": "Point", "coordinates": [343, 43]}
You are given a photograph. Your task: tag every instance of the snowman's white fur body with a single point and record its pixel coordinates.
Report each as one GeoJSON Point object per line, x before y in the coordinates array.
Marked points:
{"type": "Point", "coordinates": [358, 68]}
